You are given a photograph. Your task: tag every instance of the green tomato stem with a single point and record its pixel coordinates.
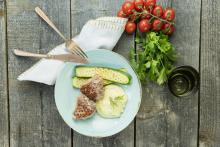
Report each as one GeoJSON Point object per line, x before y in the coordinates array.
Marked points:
{"type": "Point", "coordinates": [161, 19]}
{"type": "Point", "coordinates": [153, 16]}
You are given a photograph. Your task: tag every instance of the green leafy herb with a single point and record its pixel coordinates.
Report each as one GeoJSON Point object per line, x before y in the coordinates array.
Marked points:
{"type": "Point", "coordinates": [114, 101]}
{"type": "Point", "coordinates": [154, 60]}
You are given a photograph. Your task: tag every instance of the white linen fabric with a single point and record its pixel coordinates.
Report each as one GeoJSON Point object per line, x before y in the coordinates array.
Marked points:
{"type": "Point", "coordinates": [101, 33]}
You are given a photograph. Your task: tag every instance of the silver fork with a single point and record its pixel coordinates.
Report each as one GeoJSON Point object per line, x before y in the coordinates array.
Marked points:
{"type": "Point", "coordinates": [69, 43]}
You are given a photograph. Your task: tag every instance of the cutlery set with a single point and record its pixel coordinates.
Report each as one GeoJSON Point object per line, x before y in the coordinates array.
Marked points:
{"type": "Point", "coordinates": [76, 53]}
{"type": "Point", "coordinates": [62, 57]}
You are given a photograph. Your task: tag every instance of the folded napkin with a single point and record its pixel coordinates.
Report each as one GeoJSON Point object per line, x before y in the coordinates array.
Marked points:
{"type": "Point", "coordinates": [101, 33]}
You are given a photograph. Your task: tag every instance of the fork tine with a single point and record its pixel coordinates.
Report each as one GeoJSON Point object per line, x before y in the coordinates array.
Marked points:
{"type": "Point", "coordinates": [81, 51]}
{"type": "Point", "coordinates": [78, 52]}
{"type": "Point", "coordinates": [71, 45]}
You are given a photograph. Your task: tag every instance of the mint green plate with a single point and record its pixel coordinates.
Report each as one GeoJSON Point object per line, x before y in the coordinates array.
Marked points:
{"type": "Point", "coordinates": [96, 126]}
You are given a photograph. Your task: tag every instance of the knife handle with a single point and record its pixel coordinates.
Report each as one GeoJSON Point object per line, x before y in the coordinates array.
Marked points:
{"type": "Point", "coordinates": [28, 54]}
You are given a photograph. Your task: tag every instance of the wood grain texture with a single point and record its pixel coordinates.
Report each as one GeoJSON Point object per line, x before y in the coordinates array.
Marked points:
{"type": "Point", "coordinates": [34, 119]}
{"type": "Point", "coordinates": [163, 119]}
{"type": "Point", "coordinates": [4, 139]}
{"type": "Point", "coordinates": [209, 135]}
{"type": "Point", "coordinates": [82, 11]}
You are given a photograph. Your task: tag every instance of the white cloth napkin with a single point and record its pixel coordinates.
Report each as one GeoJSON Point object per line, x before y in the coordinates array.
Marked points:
{"type": "Point", "coordinates": [101, 33]}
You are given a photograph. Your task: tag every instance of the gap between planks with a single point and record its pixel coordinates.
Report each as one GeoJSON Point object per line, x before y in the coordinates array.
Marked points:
{"type": "Point", "coordinates": [200, 41]}
{"type": "Point", "coordinates": [7, 70]}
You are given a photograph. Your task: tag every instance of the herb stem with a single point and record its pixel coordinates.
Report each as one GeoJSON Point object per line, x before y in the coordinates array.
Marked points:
{"type": "Point", "coordinates": [161, 62]}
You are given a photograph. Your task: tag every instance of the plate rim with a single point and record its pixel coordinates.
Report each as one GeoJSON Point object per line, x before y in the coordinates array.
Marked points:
{"type": "Point", "coordinates": [113, 132]}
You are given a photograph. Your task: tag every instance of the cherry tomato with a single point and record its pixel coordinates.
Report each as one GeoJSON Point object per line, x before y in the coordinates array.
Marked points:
{"type": "Point", "coordinates": [158, 11]}
{"type": "Point", "coordinates": [144, 25]}
{"type": "Point", "coordinates": [149, 4]}
{"type": "Point", "coordinates": [168, 29]}
{"type": "Point", "coordinates": [157, 25]}
{"type": "Point", "coordinates": [169, 14]}
{"type": "Point", "coordinates": [128, 7]}
{"type": "Point", "coordinates": [121, 14]}
{"type": "Point", "coordinates": [130, 27]}
{"type": "Point", "coordinates": [145, 14]}
{"type": "Point", "coordinates": [139, 4]}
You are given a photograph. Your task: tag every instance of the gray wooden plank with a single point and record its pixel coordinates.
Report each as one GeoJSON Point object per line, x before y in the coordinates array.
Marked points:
{"type": "Point", "coordinates": [186, 39]}
{"type": "Point", "coordinates": [210, 75]}
{"type": "Point", "coordinates": [82, 11]}
{"type": "Point", "coordinates": [151, 120]}
{"type": "Point", "coordinates": [34, 118]}
{"type": "Point", "coordinates": [4, 139]}
{"type": "Point", "coordinates": [163, 119]}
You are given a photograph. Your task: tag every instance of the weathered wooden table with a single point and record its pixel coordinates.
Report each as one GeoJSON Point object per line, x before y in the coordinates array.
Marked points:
{"type": "Point", "coordinates": [28, 115]}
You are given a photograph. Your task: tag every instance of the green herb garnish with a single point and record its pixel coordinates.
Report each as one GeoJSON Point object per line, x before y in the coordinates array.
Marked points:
{"type": "Point", "coordinates": [154, 57]}
{"type": "Point", "coordinates": [116, 100]}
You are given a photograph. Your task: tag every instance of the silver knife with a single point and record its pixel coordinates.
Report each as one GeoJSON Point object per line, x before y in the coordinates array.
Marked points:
{"type": "Point", "coordinates": [61, 57]}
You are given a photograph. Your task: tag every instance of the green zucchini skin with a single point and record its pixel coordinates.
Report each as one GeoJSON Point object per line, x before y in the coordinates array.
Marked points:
{"type": "Point", "coordinates": [123, 69]}
{"type": "Point", "coordinates": [125, 78]}
{"type": "Point", "coordinates": [78, 82]}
